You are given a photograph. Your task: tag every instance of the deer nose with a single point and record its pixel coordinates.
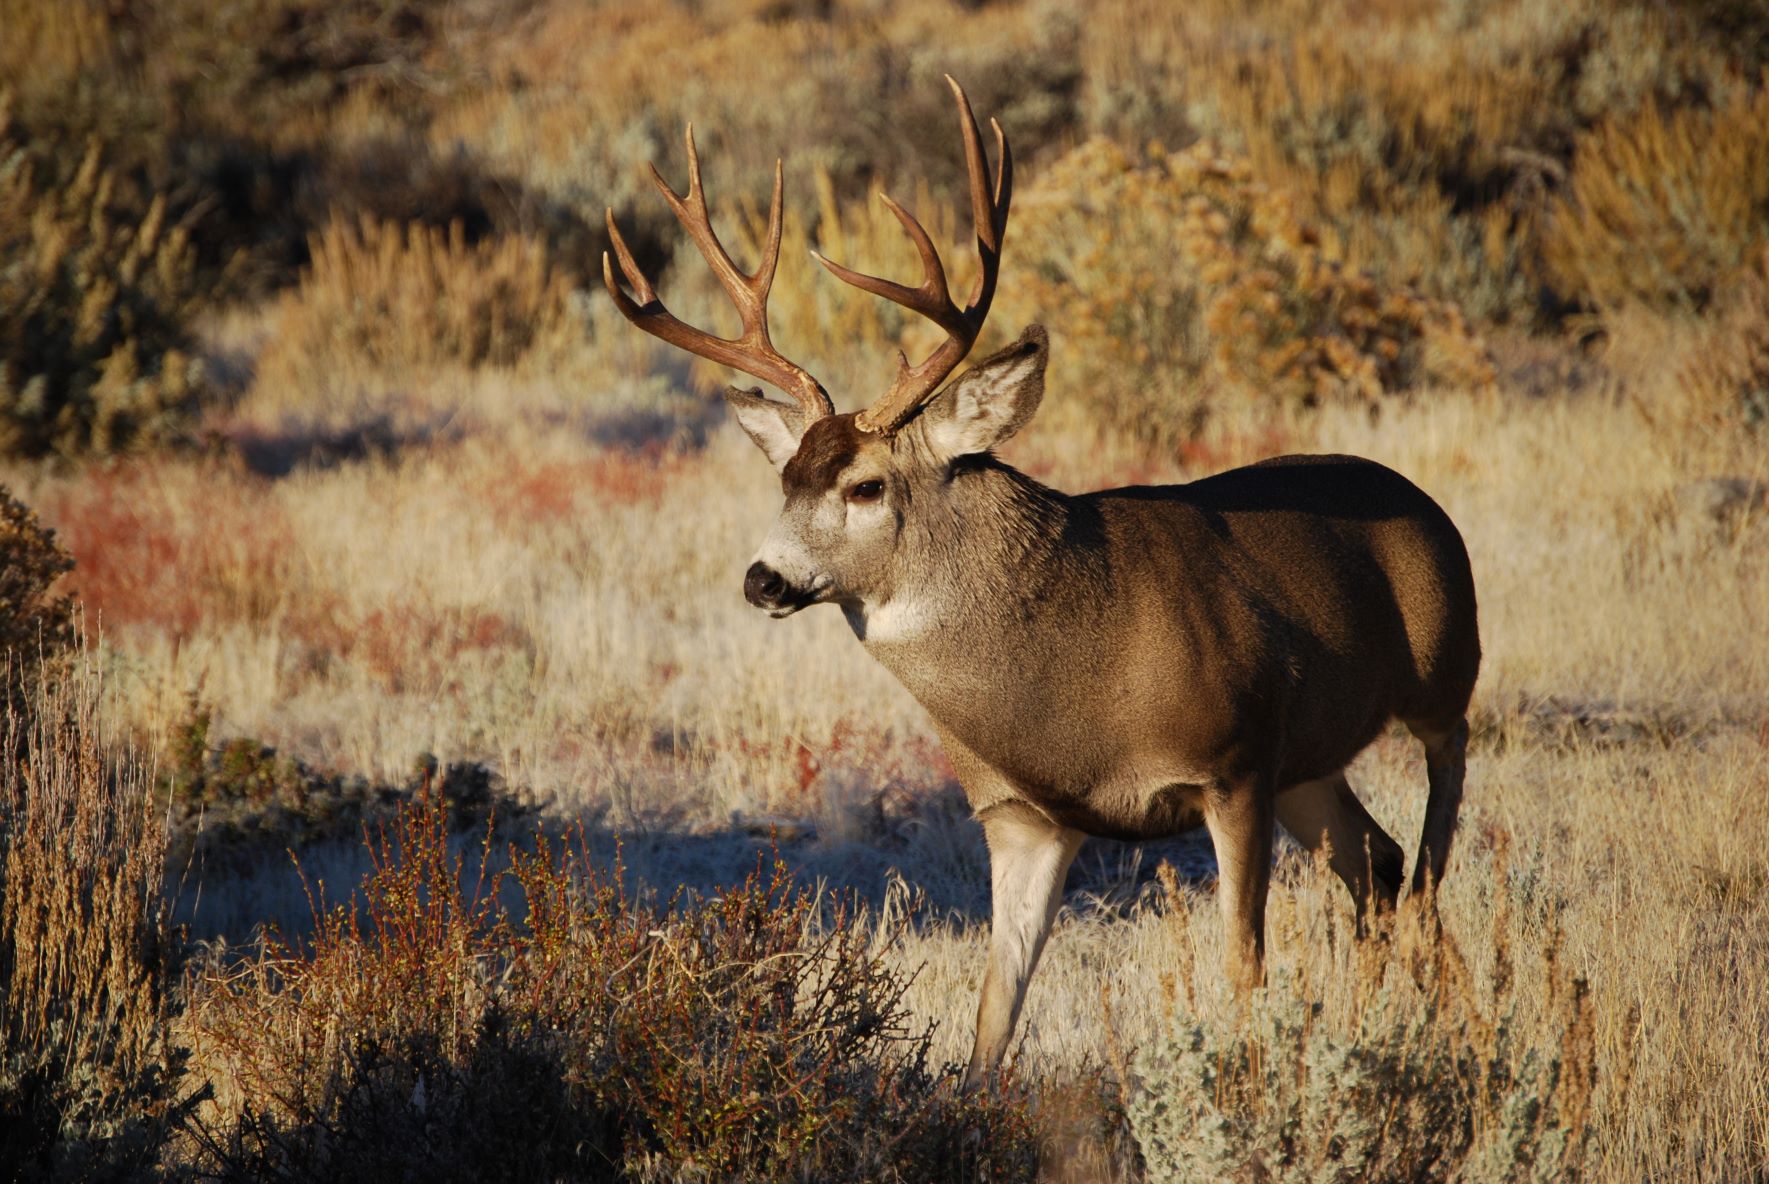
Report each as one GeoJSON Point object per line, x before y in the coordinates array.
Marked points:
{"type": "Point", "coordinates": [763, 586]}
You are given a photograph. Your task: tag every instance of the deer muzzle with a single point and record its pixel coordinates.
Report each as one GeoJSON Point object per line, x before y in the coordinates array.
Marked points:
{"type": "Point", "coordinates": [768, 589]}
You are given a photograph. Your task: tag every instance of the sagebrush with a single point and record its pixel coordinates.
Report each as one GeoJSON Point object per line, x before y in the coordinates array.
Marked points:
{"type": "Point", "coordinates": [96, 353]}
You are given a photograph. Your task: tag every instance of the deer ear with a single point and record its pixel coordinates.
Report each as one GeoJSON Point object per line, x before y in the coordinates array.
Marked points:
{"type": "Point", "coordinates": [775, 427]}
{"type": "Point", "coordinates": [990, 401]}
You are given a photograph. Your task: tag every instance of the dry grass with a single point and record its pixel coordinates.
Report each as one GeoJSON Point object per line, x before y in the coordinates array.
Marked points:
{"type": "Point", "coordinates": [578, 1033]}
{"type": "Point", "coordinates": [1727, 372]}
{"type": "Point", "coordinates": [89, 1081]}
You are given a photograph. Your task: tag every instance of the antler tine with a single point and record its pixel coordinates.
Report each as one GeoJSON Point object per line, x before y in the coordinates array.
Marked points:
{"type": "Point", "coordinates": [776, 223]}
{"type": "Point", "coordinates": [990, 198]}
{"type": "Point", "coordinates": [983, 291]}
{"type": "Point", "coordinates": [932, 298]}
{"type": "Point", "coordinates": [977, 165]}
{"type": "Point", "coordinates": [696, 219]}
{"type": "Point", "coordinates": [752, 351]}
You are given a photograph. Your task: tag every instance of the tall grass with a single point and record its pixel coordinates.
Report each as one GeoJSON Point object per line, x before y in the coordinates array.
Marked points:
{"type": "Point", "coordinates": [1663, 207]}
{"type": "Point", "coordinates": [382, 301]}
{"type": "Point", "coordinates": [90, 1084]}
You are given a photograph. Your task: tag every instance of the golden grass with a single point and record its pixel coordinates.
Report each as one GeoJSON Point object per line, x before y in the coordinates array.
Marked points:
{"type": "Point", "coordinates": [541, 1023]}
{"type": "Point", "coordinates": [88, 1077]}
{"type": "Point", "coordinates": [382, 302]}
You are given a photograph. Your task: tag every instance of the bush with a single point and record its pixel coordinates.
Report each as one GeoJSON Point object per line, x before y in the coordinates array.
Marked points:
{"type": "Point", "coordinates": [1726, 371]}
{"type": "Point", "coordinates": [429, 1032]}
{"type": "Point", "coordinates": [34, 625]}
{"type": "Point", "coordinates": [88, 1075]}
{"type": "Point", "coordinates": [1664, 205]}
{"type": "Point", "coordinates": [94, 310]}
{"type": "Point", "coordinates": [36, 628]}
{"type": "Point", "coordinates": [1180, 271]}
{"type": "Point", "coordinates": [1387, 1077]}
{"type": "Point", "coordinates": [1423, 140]}
{"type": "Point", "coordinates": [381, 298]}
{"type": "Point", "coordinates": [239, 802]}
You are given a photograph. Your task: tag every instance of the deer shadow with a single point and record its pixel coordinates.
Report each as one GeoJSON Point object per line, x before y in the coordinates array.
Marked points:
{"type": "Point", "coordinates": [935, 853]}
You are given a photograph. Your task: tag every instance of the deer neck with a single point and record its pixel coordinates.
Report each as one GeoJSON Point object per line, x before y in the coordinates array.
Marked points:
{"type": "Point", "coordinates": [986, 566]}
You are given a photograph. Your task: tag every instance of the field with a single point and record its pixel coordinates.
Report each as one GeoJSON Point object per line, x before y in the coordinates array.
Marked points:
{"type": "Point", "coordinates": [399, 783]}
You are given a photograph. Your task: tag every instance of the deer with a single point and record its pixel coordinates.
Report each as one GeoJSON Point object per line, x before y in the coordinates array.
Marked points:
{"type": "Point", "coordinates": [1128, 663]}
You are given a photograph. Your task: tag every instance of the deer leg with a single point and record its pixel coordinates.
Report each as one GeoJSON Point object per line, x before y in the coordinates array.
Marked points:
{"type": "Point", "coordinates": [1028, 859]}
{"type": "Point", "coordinates": [1446, 761]}
{"type": "Point", "coordinates": [1240, 819]}
{"type": "Point", "coordinates": [1367, 861]}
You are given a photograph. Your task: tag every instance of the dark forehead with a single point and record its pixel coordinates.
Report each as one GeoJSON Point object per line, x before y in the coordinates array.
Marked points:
{"type": "Point", "coordinates": [829, 446]}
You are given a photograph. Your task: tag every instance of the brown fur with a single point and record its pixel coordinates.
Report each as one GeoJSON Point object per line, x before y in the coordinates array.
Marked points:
{"type": "Point", "coordinates": [828, 447]}
{"type": "Point", "coordinates": [1309, 598]}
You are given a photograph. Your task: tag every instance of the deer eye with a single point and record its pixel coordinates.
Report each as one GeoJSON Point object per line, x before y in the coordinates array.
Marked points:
{"type": "Point", "coordinates": [866, 491]}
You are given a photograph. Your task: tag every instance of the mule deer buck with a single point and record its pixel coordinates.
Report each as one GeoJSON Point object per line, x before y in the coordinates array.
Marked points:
{"type": "Point", "coordinates": [1125, 663]}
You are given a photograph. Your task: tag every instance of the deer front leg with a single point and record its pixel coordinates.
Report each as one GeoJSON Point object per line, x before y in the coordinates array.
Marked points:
{"type": "Point", "coordinates": [1240, 819]}
{"type": "Point", "coordinates": [1028, 860]}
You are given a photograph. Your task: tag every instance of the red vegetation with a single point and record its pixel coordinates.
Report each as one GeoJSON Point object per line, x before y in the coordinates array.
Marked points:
{"type": "Point", "coordinates": [414, 644]}
{"type": "Point", "coordinates": [144, 559]}
{"type": "Point", "coordinates": [861, 751]}
{"type": "Point", "coordinates": [525, 492]}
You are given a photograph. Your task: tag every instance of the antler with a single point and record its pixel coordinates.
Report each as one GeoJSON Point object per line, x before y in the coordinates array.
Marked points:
{"type": "Point", "coordinates": [932, 299]}
{"type": "Point", "coordinates": [751, 352]}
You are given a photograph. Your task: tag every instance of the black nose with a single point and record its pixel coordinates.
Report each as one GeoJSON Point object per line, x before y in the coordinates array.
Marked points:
{"type": "Point", "coordinates": [763, 586]}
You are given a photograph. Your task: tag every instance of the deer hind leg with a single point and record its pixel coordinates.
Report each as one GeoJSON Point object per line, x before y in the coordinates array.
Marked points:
{"type": "Point", "coordinates": [1240, 819]}
{"type": "Point", "coordinates": [1446, 759]}
{"type": "Point", "coordinates": [1028, 860]}
{"type": "Point", "coordinates": [1367, 861]}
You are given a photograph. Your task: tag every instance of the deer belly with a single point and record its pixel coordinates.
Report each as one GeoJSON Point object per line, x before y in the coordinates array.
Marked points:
{"type": "Point", "coordinates": [1131, 807]}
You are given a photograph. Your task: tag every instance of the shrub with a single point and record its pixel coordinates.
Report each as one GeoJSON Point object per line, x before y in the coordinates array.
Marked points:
{"type": "Point", "coordinates": [1423, 140]}
{"type": "Point", "coordinates": [33, 623]}
{"type": "Point", "coordinates": [1394, 1077]}
{"type": "Point", "coordinates": [1726, 371]}
{"type": "Point", "coordinates": [239, 802]}
{"type": "Point", "coordinates": [852, 90]}
{"type": "Point", "coordinates": [88, 1076]}
{"type": "Point", "coordinates": [36, 627]}
{"type": "Point", "coordinates": [1664, 205]}
{"type": "Point", "coordinates": [388, 299]}
{"type": "Point", "coordinates": [94, 306]}
{"type": "Point", "coordinates": [1181, 270]}
{"type": "Point", "coordinates": [428, 1031]}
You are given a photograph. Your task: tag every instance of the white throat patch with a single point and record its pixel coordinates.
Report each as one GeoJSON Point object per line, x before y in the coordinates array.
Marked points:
{"type": "Point", "coordinates": [897, 620]}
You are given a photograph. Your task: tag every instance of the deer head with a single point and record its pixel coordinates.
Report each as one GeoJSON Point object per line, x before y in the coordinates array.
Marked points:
{"type": "Point", "coordinates": [858, 485]}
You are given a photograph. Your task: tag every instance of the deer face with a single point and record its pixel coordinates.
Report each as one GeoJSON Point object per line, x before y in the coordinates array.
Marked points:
{"type": "Point", "coordinates": [852, 496]}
